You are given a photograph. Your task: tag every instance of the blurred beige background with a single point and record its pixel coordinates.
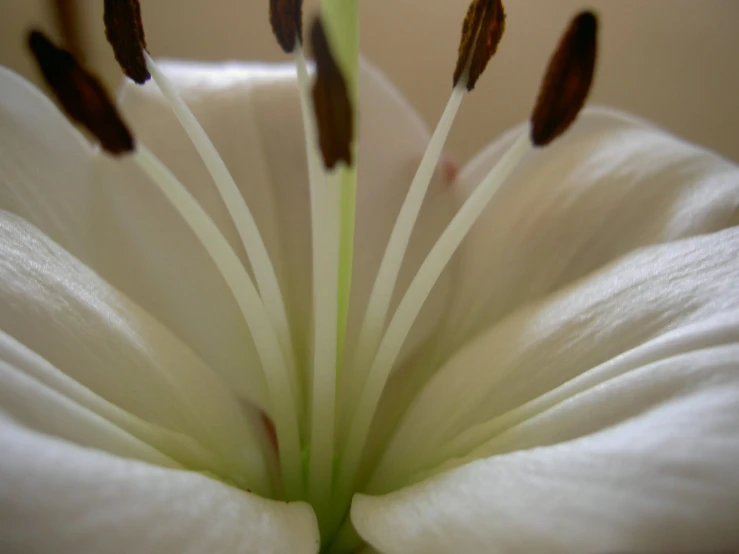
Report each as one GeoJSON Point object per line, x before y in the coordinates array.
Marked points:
{"type": "Point", "coordinates": [675, 62]}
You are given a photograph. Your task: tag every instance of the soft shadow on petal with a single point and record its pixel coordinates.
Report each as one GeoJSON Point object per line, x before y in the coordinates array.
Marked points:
{"type": "Point", "coordinates": [108, 215]}
{"type": "Point", "coordinates": [611, 184]}
{"type": "Point", "coordinates": [77, 328]}
{"type": "Point", "coordinates": [59, 497]}
{"type": "Point", "coordinates": [252, 114]}
{"type": "Point", "coordinates": [663, 480]}
{"type": "Point", "coordinates": [660, 293]}
{"type": "Point", "coordinates": [41, 397]}
{"type": "Point", "coordinates": [38, 405]}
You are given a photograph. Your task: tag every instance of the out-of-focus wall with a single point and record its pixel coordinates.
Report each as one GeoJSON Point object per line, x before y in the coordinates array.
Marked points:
{"type": "Point", "coordinates": [675, 62]}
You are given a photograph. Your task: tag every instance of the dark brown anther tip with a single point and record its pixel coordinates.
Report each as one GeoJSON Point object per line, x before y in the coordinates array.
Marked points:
{"type": "Point", "coordinates": [81, 95]}
{"type": "Point", "coordinates": [286, 18]}
{"type": "Point", "coordinates": [125, 33]}
{"type": "Point", "coordinates": [567, 81]}
{"type": "Point", "coordinates": [482, 30]}
{"type": "Point", "coordinates": [334, 114]}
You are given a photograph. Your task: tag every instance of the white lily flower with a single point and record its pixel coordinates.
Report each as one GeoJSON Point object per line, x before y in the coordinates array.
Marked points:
{"type": "Point", "coordinates": [169, 375]}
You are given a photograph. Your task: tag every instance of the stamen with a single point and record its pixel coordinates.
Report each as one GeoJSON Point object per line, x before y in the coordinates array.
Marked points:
{"type": "Point", "coordinates": [125, 32]}
{"type": "Point", "coordinates": [283, 397]}
{"type": "Point", "coordinates": [567, 81]}
{"type": "Point", "coordinates": [481, 33]}
{"type": "Point", "coordinates": [579, 41]}
{"type": "Point", "coordinates": [341, 23]}
{"type": "Point", "coordinates": [334, 121]}
{"type": "Point", "coordinates": [81, 95]}
{"type": "Point", "coordinates": [325, 210]}
{"type": "Point", "coordinates": [482, 30]}
{"type": "Point", "coordinates": [286, 18]}
{"type": "Point", "coordinates": [414, 298]}
{"type": "Point", "coordinates": [85, 100]}
{"type": "Point", "coordinates": [387, 275]}
{"type": "Point", "coordinates": [333, 109]}
{"type": "Point", "coordinates": [246, 226]}
{"type": "Point", "coordinates": [325, 199]}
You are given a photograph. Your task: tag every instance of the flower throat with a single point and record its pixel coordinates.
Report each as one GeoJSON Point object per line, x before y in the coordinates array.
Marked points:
{"type": "Point", "coordinates": [319, 444]}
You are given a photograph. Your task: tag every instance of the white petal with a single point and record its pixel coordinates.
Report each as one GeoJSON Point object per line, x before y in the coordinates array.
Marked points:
{"type": "Point", "coordinates": [663, 480]}
{"type": "Point", "coordinates": [59, 497]}
{"type": "Point", "coordinates": [39, 406]}
{"type": "Point", "coordinates": [94, 335]}
{"type": "Point", "coordinates": [598, 330]}
{"type": "Point", "coordinates": [252, 114]}
{"type": "Point", "coordinates": [40, 396]}
{"type": "Point", "coordinates": [108, 215]}
{"type": "Point", "coordinates": [609, 185]}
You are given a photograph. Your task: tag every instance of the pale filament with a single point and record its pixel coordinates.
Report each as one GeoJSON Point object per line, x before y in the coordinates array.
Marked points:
{"type": "Point", "coordinates": [378, 346]}
{"type": "Point", "coordinates": [325, 199]}
{"type": "Point", "coordinates": [378, 305]}
{"type": "Point", "coordinates": [412, 302]}
{"type": "Point", "coordinates": [283, 401]}
{"type": "Point", "coordinates": [264, 272]}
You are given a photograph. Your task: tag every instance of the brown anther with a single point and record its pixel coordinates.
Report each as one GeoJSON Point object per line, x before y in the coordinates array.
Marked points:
{"type": "Point", "coordinates": [481, 32]}
{"type": "Point", "coordinates": [81, 95]}
{"type": "Point", "coordinates": [125, 34]}
{"type": "Point", "coordinates": [286, 17]}
{"type": "Point", "coordinates": [567, 81]}
{"type": "Point", "coordinates": [331, 103]}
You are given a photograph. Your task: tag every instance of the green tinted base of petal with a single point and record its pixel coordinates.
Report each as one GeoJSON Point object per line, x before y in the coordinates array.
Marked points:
{"type": "Point", "coordinates": [346, 540]}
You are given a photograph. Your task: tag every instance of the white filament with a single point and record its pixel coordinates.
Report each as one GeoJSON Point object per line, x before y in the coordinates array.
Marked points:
{"type": "Point", "coordinates": [387, 275]}
{"type": "Point", "coordinates": [412, 302]}
{"type": "Point", "coordinates": [268, 348]}
{"type": "Point", "coordinates": [265, 315]}
{"type": "Point", "coordinates": [325, 205]}
{"type": "Point", "coordinates": [243, 219]}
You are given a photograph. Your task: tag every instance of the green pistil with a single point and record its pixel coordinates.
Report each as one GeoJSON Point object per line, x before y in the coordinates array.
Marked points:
{"type": "Point", "coordinates": [341, 19]}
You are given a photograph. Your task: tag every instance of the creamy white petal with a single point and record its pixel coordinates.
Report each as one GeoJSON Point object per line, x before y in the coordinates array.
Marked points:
{"type": "Point", "coordinates": [59, 497]}
{"type": "Point", "coordinates": [662, 292]}
{"type": "Point", "coordinates": [42, 397]}
{"type": "Point", "coordinates": [108, 215]}
{"type": "Point", "coordinates": [603, 410]}
{"type": "Point", "coordinates": [28, 401]}
{"type": "Point", "coordinates": [662, 480]}
{"type": "Point", "coordinates": [252, 114]}
{"type": "Point", "coordinates": [609, 185]}
{"type": "Point", "coordinates": [94, 335]}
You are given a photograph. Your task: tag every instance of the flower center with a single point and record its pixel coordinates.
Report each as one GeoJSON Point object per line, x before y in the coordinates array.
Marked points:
{"type": "Point", "coordinates": [319, 460]}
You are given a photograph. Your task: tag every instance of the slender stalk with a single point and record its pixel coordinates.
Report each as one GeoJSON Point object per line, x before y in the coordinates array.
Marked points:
{"type": "Point", "coordinates": [325, 197]}
{"type": "Point", "coordinates": [238, 280]}
{"type": "Point", "coordinates": [411, 305]}
{"type": "Point", "coordinates": [387, 275]}
{"type": "Point", "coordinates": [241, 215]}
